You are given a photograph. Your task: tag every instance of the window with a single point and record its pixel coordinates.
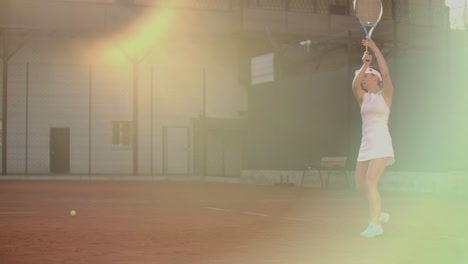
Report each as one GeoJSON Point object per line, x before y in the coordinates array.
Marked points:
{"type": "Point", "coordinates": [122, 134]}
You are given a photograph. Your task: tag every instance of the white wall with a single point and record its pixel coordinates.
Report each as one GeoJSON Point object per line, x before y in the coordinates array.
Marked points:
{"type": "Point", "coordinates": [59, 85]}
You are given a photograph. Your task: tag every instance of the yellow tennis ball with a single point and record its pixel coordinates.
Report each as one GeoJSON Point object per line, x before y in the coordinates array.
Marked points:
{"type": "Point", "coordinates": [72, 213]}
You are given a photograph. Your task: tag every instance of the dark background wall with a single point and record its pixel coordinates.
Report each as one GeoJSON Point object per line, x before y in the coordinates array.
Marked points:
{"type": "Point", "coordinates": [299, 118]}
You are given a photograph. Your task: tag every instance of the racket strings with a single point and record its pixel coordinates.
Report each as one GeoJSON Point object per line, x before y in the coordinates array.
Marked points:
{"type": "Point", "coordinates": [368, 12]}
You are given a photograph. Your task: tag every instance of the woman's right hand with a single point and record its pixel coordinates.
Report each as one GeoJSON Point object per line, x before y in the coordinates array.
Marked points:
{"type": "Point", "coordinates": [367, 58]}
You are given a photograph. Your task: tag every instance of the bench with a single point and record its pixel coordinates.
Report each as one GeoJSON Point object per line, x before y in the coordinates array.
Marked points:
{"type": "Point", "coordinates": [326, 166]}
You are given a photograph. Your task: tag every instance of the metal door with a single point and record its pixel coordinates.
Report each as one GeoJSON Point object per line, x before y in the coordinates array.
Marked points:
{"type": "Point", "coordinates": [60, 150]}
{"type": "Point", "coordinates": [176, 154]}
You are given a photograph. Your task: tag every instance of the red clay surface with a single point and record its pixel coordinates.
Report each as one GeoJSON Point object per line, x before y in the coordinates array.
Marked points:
{"type": "Point", "coordinates": [187, 222]}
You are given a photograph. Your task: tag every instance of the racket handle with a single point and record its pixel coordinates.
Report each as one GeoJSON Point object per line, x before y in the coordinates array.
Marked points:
{"type": "Point", "coordinates": [367, 38]}
{"type": "Point", "coordinates": [367, 48]}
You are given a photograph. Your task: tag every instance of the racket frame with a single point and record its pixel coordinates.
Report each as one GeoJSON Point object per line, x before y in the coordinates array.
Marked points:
{"type": "Point", "coordinates": [364, 25]}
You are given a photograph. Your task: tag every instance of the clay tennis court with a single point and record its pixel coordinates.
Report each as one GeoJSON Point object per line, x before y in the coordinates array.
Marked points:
{"type": "Point", "coordinates": [200, 222]}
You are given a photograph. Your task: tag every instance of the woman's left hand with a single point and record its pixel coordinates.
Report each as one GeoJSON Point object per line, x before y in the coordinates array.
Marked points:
{"type": "Point", "coordinates": [369, 43]}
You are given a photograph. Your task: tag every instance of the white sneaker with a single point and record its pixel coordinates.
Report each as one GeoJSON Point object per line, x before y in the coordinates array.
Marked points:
{"type": "Point", "coordinates": [383, 218]}
{"type": "Point", "coordinates": [373, 230]}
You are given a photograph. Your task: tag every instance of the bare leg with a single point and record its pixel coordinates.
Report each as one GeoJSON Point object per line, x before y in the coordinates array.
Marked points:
{"type": "Point", "coordinates": [360, 178]}
{"type": "Point", "coordinates": [374, 172]}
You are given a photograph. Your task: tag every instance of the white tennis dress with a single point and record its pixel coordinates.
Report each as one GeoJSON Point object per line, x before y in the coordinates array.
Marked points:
{"type": "Point", "coordinates": [376, 140]}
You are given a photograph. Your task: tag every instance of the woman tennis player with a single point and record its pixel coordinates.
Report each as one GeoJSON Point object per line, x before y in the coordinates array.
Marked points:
{"type": "Point", "coordinates": [373, 90]}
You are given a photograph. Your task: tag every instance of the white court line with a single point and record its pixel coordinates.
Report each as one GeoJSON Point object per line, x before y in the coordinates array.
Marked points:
{"type": "Point", "coordinates": [257, 214]}
{"type": "Point", "coordinates": [218, 209]}
{"type": "Point", "coordinates": [121, 201]}
{"type": "Point", "coordinates": [246, 200]}
{"type": "Point", "coordinates": [249, 213]}
{"type": "Point", "coordinates": [296, 219]}
{"type": "Point", "coordinates": [17, 213]}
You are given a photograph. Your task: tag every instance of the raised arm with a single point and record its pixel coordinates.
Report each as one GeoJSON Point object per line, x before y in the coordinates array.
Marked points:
{"type": "Point", "coordinates": [387, 90]}
{"type": "Point", "coordinates": [358, 78]}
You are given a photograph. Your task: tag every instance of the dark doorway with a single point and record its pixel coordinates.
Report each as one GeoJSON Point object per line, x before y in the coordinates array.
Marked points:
{"type": "Point", "coordinates": [60, 150]}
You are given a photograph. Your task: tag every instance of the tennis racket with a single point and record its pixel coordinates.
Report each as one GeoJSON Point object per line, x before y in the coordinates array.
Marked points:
{"type": "Point", "coordinates": [369, 13]}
